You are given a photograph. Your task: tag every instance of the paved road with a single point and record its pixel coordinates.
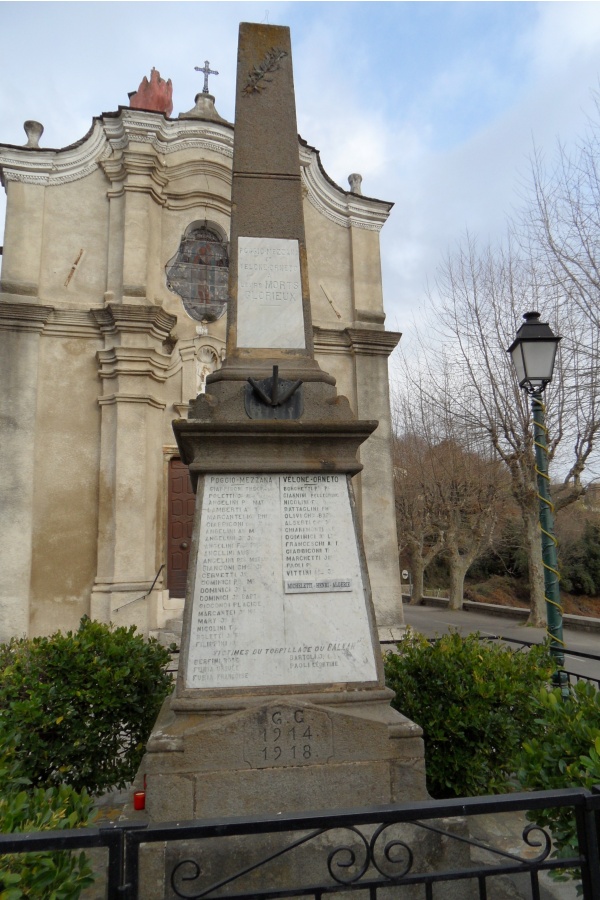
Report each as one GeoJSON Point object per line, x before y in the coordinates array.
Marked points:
{"type": "Point", "coordinates": [432, 621]}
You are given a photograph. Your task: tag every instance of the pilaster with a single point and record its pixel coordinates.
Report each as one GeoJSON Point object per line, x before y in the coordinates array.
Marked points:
{"type": "Point", "coordinates": [136, 196]}
{"type": "Point", "coordinates": [133, 370]}
{"type": "Point", "coordinates": [21, 325]}
{"type": "Point", "coordinates": [22, 251]}
{"type": "Point", "coordinates": [371, 349]}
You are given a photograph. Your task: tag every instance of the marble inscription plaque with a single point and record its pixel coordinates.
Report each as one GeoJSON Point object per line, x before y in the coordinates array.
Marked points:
{"type": "Point", "coordinates": [269, 304]}
{"type": "Point", "coordinates": [279, 597]}
{"type": "Point", "coordinates": [288, 736]}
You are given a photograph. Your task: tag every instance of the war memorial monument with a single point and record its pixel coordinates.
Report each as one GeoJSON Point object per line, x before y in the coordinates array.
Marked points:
{"type": "Point", "coordinates": [280, 702]}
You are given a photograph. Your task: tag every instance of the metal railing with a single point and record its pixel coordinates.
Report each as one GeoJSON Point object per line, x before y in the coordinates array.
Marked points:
{"type": "Point", "coordinates": [575, 654]}
{"type": "Point", "coordinates": [350, 850]}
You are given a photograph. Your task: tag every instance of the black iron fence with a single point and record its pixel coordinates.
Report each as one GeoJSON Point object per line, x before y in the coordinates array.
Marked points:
{"type": "Point", "coordinates": [340, 851]}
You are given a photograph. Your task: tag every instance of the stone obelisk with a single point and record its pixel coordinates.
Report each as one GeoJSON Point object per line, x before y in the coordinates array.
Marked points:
{"type": "Point", "coordinates": [280, 701]}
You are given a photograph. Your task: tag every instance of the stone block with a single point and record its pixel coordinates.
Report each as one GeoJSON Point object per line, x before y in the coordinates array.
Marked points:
{"type": "Point", "coordinates": [269, 207]}
{"type": "Point", "coordinates": [291, 789]}
{"type": "Point", "coordinates": [170, 798]}
{"type": "Point", "coordinates": [408, 781]}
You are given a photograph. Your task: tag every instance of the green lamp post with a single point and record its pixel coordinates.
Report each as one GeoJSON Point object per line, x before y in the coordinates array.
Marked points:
{"type": "Point", "coordinates": [533, 353]}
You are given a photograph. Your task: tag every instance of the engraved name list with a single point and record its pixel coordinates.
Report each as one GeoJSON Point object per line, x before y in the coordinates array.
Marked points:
{"type": "Point", "coordinates": [279, 595]}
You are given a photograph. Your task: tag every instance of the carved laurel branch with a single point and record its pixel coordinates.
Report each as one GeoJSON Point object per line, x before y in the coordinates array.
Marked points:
{"type": "Point", "coordinates": [259, 73]}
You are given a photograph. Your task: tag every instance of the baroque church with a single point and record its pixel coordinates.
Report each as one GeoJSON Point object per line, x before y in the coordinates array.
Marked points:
{"type": "Point", "coordinates": [113, 307]}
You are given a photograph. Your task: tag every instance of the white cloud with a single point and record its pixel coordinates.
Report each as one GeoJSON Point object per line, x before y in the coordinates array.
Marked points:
{"type": "Point", "coordinates": [434, 105]}
{"type": "Point", "coordinates": [565, 33]}
{"type": "Point", "coordinates": [476, 183]}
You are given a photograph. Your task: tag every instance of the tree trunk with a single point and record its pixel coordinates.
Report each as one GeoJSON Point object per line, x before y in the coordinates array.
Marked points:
{"type": "Point", "coordinates": [458, 569]}
{"type": "Point", "coordinates": [533, 547]}
{"type": "Point", "coordinates": [460, 563]}
{"type": "Point", "coordinates": [418, 575]}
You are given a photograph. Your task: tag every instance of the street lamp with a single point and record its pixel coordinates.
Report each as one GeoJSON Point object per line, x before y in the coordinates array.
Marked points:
{"type": "Point", "coordinates": [533, 353]}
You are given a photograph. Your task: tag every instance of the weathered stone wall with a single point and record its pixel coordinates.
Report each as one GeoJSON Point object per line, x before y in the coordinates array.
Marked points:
{"type": "Point", "coordinates": [97, 357]}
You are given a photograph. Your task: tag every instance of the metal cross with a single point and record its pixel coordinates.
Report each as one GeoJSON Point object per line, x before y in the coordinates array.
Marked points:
{"type": "Point", "coordinates": [206, 71]}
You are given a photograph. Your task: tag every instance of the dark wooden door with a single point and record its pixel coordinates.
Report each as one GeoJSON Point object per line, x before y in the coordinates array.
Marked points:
{"type": "Point", "coordinates": [181, 520]}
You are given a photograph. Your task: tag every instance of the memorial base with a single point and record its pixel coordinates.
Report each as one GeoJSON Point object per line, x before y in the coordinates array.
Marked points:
{"type": "Point", "coordinates": [275, 755]}
{"type": "Point", "coordinates": [281, 753]}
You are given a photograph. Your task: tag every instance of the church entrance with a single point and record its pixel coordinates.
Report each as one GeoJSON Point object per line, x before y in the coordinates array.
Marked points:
{"type": "Point", "coordinates": [180, 522]}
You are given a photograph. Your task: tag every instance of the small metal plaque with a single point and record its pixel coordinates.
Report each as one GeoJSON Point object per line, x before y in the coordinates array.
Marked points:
{"type": "Point", "coordinates": [287, 736]}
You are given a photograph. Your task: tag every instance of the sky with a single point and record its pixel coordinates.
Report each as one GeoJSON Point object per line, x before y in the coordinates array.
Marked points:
{"type": "Point", "coordinates": [437, 104]}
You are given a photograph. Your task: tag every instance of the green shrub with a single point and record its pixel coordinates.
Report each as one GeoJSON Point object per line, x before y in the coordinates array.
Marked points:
{"type": "Point", "coordinates": [475, 701]}
{"type": "Point", "coordinates": [86, 702]}
{"type": "Point", "coordinates": [59, 875]}
{"type": "Point", "coordinates": [565, 754]}
{"type": "Point", "coordinates": [580, 562]}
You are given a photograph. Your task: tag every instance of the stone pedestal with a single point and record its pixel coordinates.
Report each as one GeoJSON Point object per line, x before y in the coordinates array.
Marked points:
{"type": "Point", "coordinates": [280, 700]}
{"type": "Point", "coordinates": [282, 754]}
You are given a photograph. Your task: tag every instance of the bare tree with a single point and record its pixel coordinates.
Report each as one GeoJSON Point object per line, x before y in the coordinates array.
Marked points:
{"type": "Point", "coordinates": [561, 219]}
{"type": "Point", "coordinates": [471, 488]}
{"type": "Point", "coordinates": [559, 228]}
{"type": "Point", "coordinates": [419, 535]}
{"type": "Point", "coordinates": [482, 296]}
{"type": "Point", "coordinates": [447, 492]}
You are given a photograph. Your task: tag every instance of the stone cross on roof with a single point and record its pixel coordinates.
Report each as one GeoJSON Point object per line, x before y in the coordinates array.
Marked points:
{"type": "Point", "coordinates": [206, 72]}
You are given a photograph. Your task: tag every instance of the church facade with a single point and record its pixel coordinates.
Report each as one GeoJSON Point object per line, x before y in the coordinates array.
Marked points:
{"type": "Point", "coordinates": [113, 305]}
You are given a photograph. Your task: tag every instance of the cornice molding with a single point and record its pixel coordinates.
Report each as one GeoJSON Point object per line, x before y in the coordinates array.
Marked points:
{"type": "Point", "coordinates": [167, 136]}
{"type": "Point", "coordinates": [331, 340]}
{"type": "Point", "coordinates": [71, 323]}
{"type": "Point", "coordinates": [369, 341]}
{"type": "Point", "coordinates": [115, 141]}
{"type": "Point", "coordinates": [49, 167]}
{"type": "Point", "coordinates": [372, 341]}
{"type": "Point", "coordinates": [31, 317]}
{"type": "Point", "coordinates": [109, 136]}
{"type": "Point", "coordinates": [194, 199]}
{"type": "Point", "coordinates": [123, 317]}
{"type": "Point", "coordinates": [123, 397]}
{"type": "Point", "coordinates": [138, 361]}
{"type": "Point", "coordinates": [342, 207]}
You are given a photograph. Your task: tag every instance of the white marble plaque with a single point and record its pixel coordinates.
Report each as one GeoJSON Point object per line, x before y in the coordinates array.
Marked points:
{"type": "Point", "coordinates": [269, 304]}
{"type": "Point", "coordinates": [279, 596]}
